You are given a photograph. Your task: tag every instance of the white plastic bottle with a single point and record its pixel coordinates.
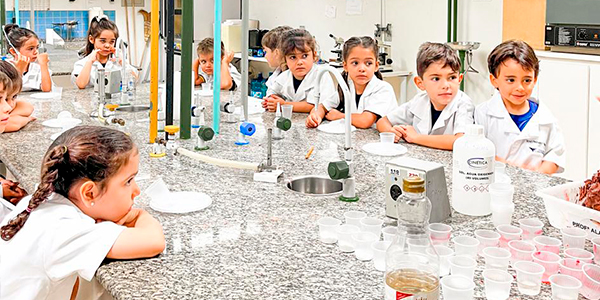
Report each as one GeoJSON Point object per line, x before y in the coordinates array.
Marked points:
{"type": "Point", "coordinates": [473, 171]}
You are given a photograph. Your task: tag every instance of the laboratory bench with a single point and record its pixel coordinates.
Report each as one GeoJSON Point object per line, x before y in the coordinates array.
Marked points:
{"type": "Point", "coordinates": [256, 240]}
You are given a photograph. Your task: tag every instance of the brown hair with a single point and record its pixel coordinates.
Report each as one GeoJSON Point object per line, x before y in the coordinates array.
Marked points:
{"type": "Point", "coordinates": [513, 49]}
{"type": "Point", "coordinates": [366, 42]}
{"type": "Point", "coordinates": [273, 38]}
{"type": "Point", "coordinates": [297, 39]}
{"type": "Point", "coordinates": [97, 25]}
{"type": "Point", "coordinates": [17, 36]}
{"type": "Point", "coordinates": [206, 47]}
{"type": "Point", "coordinates": [82, 153]}
{"type": "Point", "coordinates": [430, 53]}
{"type": "Point", "coordinates": [12, 73]}
{"type": "Point", "coordinates": [6, 82]}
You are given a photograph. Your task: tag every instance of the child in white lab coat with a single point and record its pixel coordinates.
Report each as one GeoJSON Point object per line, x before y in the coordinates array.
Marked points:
{"type": "Point", "coordinates": [271, 43]}
{"type": "Point", "coordinates": [102, 36]}
{"type": "Point", "coordinates": [525, 132]}
{"type": "Point", "coordinates": [373, 98]}
{"type": "Point", "coordinates": [20, 114]}
{"type": "Point", "coordinates": [32, 65]}
{"type": "Point", "coordinates": [80, 214]}
{"type": "Point", "coordinates": [231, 79]}
{"type": "Point", "coordinates": [439, 115]}
{"type": "Point", "coordinates": [296, 86]}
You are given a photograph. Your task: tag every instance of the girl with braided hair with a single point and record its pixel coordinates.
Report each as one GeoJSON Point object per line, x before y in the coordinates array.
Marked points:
{"type": "Point", "coordinates": [80, 214]}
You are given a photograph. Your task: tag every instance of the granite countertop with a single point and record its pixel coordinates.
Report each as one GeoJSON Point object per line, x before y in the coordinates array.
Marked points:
{"type": "Point", "coordinates": [256, 240]}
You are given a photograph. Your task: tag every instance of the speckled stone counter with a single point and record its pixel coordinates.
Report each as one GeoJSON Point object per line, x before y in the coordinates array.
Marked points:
{"type": "Point", "coordinates": [256, 240]}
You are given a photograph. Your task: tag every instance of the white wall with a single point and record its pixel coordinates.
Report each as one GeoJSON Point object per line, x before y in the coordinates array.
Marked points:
{"type": "Point", "coordinates": [413, 22]}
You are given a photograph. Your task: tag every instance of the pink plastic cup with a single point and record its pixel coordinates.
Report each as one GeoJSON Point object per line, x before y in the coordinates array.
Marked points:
{"type": "Point", "coordinates": [440, 233]}
{"type": "Point", "coordinates": [591, 282]}
{"type": "Point", "coordinates": [571, 267]}
{"type": "Point", "coordinates": [546, 243]}
{"type": "Point", "coordinates": [508, 233]}
{"type": "Point", "coordinates": [520, 251]}
{"type": "Point", "coordinates": [596, 243]}
{"type": "Point", "coordinates": [532, 227]}
{"type": "Point", "coordinates": [580, 254]}
{"type": "Point", "coordinates": [549, 261]}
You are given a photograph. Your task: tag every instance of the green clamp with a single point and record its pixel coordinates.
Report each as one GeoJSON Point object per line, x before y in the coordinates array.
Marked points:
{"type": "Point", "coordinates": [338, 170]}
{"type": "Point", "coordinates": [206, 133]}
{"type": "Point", "coordinates": [284, 124]}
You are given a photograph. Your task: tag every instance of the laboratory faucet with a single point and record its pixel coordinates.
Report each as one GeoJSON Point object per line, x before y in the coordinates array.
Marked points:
{"type": "Point", "coordinates": [342, 170]}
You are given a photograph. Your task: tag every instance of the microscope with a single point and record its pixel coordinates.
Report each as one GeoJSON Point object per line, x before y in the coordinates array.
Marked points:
{"type": "Point", "coordinates": [383, 35]}
{"type": "Point", "coordinates": [338, 61]}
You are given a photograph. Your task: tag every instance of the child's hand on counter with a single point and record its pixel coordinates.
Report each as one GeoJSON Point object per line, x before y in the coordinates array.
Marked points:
{"type": "Point", "coordinates": [398, 133]}
{"type": "Point", "coordinates": [270, 102]}
{"type": "Point", "coordinates": [313, 120]}
{"type": "Point", "coordinates": [334, 114]}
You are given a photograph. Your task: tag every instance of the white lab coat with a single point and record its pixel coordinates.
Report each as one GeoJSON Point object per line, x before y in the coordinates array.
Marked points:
{"type": "Point", "coordinates": [417, 112]}
{"type": "Point", "coordinates": [57, 243]}
{"type": "Point", "coordinates": [233, 71]}
{"type": "Point", "coordinates": [378, 98]}
{"type": "Point", "coordinates": [284, 86]}
{"type": "Point", "coordinates": [540, 140]}
{"type": "Point", "coordinates": [78, 66]}
{"type": "Point", "coordinates": [273, 77]}
{"type": "Point", "coordinates": [32, 79]}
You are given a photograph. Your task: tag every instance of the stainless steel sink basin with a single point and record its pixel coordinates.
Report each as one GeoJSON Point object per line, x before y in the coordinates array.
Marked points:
{"type": "Point", "coordinates": [314, 185]}
{"type": "Point", "coordinates": [133, 108]}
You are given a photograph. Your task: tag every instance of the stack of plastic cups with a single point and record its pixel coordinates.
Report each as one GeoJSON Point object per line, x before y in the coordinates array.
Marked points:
{"type": "Point", "coordinates": [500, 175]}
{"type": "Point", "coordinates": [501, 203]}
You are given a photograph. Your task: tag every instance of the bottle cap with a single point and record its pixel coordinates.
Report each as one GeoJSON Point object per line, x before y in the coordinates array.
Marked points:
{"type": "Point", "coordinates": [474, 129]}
{"type": "Point", "coordinates": [413, 184]}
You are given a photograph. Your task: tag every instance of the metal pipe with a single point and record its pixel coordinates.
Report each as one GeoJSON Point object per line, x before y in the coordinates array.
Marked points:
{"type": "Point", "coordinates": [217, 65]}
{"type": "Point", "coordinates": [269, 147]}
{"type": "Point", "coordinates": [154, 37]}
{"type": "Point", "coordinates": [245, 43]}
{"type": "Point", "coordinates": [187, 44]}
{"type": "Point", "coordinates": [2, 23]}
{"type": "Point", "coordinates": [455, 30]}
{"type": "Point", "coordinates": [449, 21]}
{"type": "Point", "coordinates": [170, 25]}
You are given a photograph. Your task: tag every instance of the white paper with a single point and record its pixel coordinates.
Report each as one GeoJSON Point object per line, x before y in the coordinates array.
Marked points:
{"type": "Point", "coordinates": [354, 7]}
{"type": "Point", "coordinates": [330, 11]}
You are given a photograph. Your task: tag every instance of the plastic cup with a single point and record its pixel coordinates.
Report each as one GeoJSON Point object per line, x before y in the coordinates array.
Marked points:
{"type": "Point", "coordinates": [372, 225]}
{"type": "Point", "coordinates": [486, 238]}
{"type": "Point", "coordinates": [531, 227]}
{"type": "Point", "coordinates": [546, 243]}
{"type": "Point", "coordinates": [327, 229]}
{"type": "Point", "coordinates": [444, 253]}
{"type": "Point", "coordinates": [499, 167]}
{"type": "Point", "coordinates": [157, 190]}
{"type": "Point", "coordinates": [596, 249]}
{"type": "Point", "coordinates": [417, 245]}
{"type": "Point", "coordinates": [465, 245]}
{"type": "Point", "coordinates": [564, 287]}
{"type": "Point", "coordinates": [344, 235]}
{"type": "Point", "coordinates": [456, 287]}
{"type": "Point", "coordinates": [496, 258]}
{"type": "Point", "coordinates": [362, 245]}
{"type": "Point", "coordinates": [497, 284]}
{"type": "Point", "coordinates": [440, 233]}
{"type": "Point", "coordinates": [529, 277]}
{"type": "Point", "coordinates": [286, 111]}
{"type": "Point", "coordinates": [591, 282]}
{"type": "Point", "coordinates": [573, 237]}
{"type": "Point", "coordinates": [501, 192]}
{"type": "Point", "coordinates": [353, 217]}
{"type": "Point", "coordinates": [386, 137]}
{"type": "Point", "coordinates": [379, 248]}
{"type": "Point", "coordinates": [572, 267]}
{"type": "Point", "coordinates": [580, 254]}
{"type": "Point", "coordinates": [508, 233]}
{"type": "Point", "coordinates": [550, 262]}
{"type": "Point", "coordinates": [520, 251]}
{"type": "Point", "coordinates": [462, 266]}
{"type": "Point", "coordinates": [389, 233]}
{"type": "Point", "coordinates": [502, 213]}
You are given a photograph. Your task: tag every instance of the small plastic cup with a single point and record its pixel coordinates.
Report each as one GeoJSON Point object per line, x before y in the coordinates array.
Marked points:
{"type": "Point", "coordinates": [353, 217]}
{"type": "Point", "coordinates": [596, 249]}
{"type": "Point", "coordinates": [462, 266]}
{"type": "Point", "coordinates": [327, 227]}
{"type": "Point", "coordinates": [286, 111]}
{"type": "Point", "coordinates": [572, 267]}
{"type": "Point", "coordinates": [564, 287]}
{"type": "Point", "coordinates": [502, 213]}
{"type": "Point", "coordinates": [531, 227]}
{"type": "Point", "coordinates": [440, 233]}
{"type": "Point", "coordinates": [546, 243]}
{"type": "Point", "coordinates": [465, 245]}
{"type": "Point", "coordinates": [573, 237]}
{"type": "Point", "coordinates": [418, 245]}
{"type": "Point", "coordinates": [372, 225]}
{"type": "Point", "coordinates": [499, 167]}
{"type": "Point", "coordinates": [520, 251]}
{"type": "Point", "coordinates": [456, 287]}
{"type": "Point", "coordinates": [362, 242]}
{"type": "Point", "coordinates": [389, 233]}
{"type": "Point", "coordinates": [486, 238]}
{"type": "Point", "coordinates": [379, 248]}
{"type": "Point", "coordinates": [157, 190]}
{"type": "Point", "coordinates": [444, 253]}
{"type": "Point", "coordinates": [386, 137]}
{"type": "Point", "coordinates": [591, 281]}
{"type": "Point", "coordinates": [580, 254]}
{"type": "Point", "coordinates": [344, 235]}
{"type": "Point", "coordinates": [497, 284]}
{"type": "Point", "coordinates": [529, 277]}
{"type": "Point", "coordinates": [508, 233]}
{"type": "Point", "coordinates": [550, 262]}
{"type": "Point", "coordinates": [496, 258]}
{"type": "Point", "coordinates": [501, 192]}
